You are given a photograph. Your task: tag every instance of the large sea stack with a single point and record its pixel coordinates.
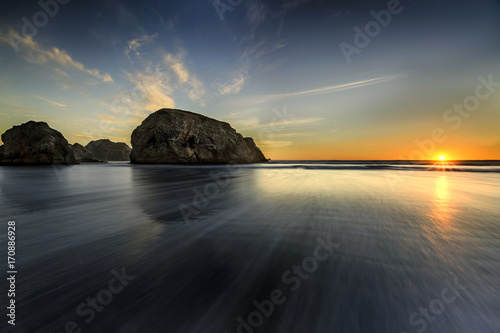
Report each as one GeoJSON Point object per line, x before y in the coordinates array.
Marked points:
{"type": "Point", "coordinates": [171, 136]}
{"type": "Point", "coordinates": [106, 150]}
{"type": "Point", "coordinates": [35, 143]}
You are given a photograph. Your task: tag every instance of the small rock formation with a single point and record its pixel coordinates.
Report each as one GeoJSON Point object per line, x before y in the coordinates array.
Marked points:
{"type": "Point", "coordinates": [35, 143]}
{"type": "Point", "coordinates": [171, 136]}
{"type": "Point", "coordinates": [82, 154]}
{"type": "Point", "coordinates": [106, 150]}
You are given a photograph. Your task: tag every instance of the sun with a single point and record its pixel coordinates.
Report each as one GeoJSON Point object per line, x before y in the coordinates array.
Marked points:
{"type": "Point", "coordinates": [442, 157]}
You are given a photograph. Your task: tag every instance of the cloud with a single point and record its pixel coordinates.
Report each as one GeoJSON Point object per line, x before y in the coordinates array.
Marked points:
{"type": "Point", "coordinates": [63, 86]}
{"type": "Point", "coordinates": [294, 135]}
{"type": "Point", "coordinates": [233, 87]}
{"type": "Point", "coordinates": [246, 123]}
{"type": "Point", "coordinates": [256, 14]}
{"type": "Point", "coordinates": [33, 52]}
{"type": "Point", "coordinates": [261, 49]}
{"type": "Point", "coordinates": [113, 138]}
{"type": "Point", "coordinates": [152, 91]}
{"type": "Point", "coordinates": [194, 87]}
{"type": "Point", "coordinates": [134, 44]}
{"type": "Point", "coordinates": [296, 121]}
{"type": "Point", "coordinates": [51, 102]}
{"type": "Point", "coordinates": [106, 117]}
{"type": "Point", "coordinates": [160, 85]}
{"type": "Point", "coordinates": [34, 115]}
{"type": "Point", "coordinates": [280, 124]}
{"type": "Point", "coordinates": [262, 99]}
{"type": "Point", "coordinates": [273, 144]}
{"type": "Point", "coordinates": [60, 71]}
{"type": "Point", "coordinates": [340, 87]}
{"type": "Point", "coordinates": [84, 136]}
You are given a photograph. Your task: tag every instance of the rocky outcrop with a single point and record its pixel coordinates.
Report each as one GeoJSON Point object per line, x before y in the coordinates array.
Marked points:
{"type": "Point", "coordinates": [82, 154]}
{"type": "Point", "coordinates": [171, 136]}
{"type": "Point", "coordinates": [106, 150]}
{"type": "Point", "coordinates": [35, 143]}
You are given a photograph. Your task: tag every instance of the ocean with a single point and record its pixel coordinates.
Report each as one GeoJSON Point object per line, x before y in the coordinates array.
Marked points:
{"type": "Point", "coordinates": [287, 246]}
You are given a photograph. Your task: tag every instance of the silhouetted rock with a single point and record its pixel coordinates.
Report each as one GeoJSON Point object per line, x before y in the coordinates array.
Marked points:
{"type": "Point", "coordinates": [35, 143]}
{"type": "Point", "coordinates": [82, 154]}
{"type": "Point", "coordinates": [106, 150]}
{"type": "Point", "coordinates": [173, 136]}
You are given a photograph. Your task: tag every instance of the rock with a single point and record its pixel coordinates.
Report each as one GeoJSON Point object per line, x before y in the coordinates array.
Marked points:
{"type": "Point", "coordinates": [35, 143]}
{"type": "Point", "coordinates": [171, 136]}
{"type": "Point", "coordinates": [106, 150]}
{"type": "Point", "coordinates": [82, 154]}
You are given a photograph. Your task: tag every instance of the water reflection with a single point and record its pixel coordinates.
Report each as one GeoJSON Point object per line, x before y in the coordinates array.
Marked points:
{"type": "Point", "coordinates": [442, 212]}
{"type": "Point", "coordinates": [160, 191]}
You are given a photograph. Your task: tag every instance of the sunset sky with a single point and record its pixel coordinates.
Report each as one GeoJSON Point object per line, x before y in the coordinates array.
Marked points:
{"type": "Point", "coordinates": [275, 70]}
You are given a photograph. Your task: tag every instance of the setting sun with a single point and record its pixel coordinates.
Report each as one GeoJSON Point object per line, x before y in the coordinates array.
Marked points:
{"type": "Point", "coordinates": [442, 158]}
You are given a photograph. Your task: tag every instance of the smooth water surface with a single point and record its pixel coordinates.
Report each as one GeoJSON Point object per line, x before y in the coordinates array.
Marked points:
{"type": "Point", "coordinates": [203, 246]}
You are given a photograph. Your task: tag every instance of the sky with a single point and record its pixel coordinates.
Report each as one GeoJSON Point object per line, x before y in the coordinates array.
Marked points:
{"type": "Point", "coordinates": [306, 79]}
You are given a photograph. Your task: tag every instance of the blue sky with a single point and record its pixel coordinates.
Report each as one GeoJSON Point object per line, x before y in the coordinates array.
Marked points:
{"type": "Point", "coordinates": [274, 70]}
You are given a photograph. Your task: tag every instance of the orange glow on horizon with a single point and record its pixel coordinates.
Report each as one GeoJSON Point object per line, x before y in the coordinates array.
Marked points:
{"type": "Point", "coordinates": [371, 151]}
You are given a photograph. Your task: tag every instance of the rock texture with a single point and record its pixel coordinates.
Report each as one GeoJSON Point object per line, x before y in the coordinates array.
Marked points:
{"type": "Point", "coordinates": [82, 154]}
{"type": "Point", "coordinates": [106, 150]}
{"type": "Point", "coordinates": [171, 136]}
{"type": "Point", "coordinates": [35, 143]}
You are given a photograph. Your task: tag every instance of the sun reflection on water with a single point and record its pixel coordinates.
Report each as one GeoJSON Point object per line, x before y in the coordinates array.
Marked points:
{"type": "Point", "coordinates": [442, 211]}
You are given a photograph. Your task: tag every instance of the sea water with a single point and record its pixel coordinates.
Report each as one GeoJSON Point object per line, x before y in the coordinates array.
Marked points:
{"type": "Point", "coordinates": [298, 246]}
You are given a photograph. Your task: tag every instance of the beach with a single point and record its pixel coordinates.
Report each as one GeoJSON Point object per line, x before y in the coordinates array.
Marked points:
{"type": "Point", "coordinates": [280, 247]}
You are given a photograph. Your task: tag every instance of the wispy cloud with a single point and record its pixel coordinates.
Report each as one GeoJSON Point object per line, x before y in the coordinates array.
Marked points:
{"type": "Point", "coordinates": [51, 102]}
{"type": "Point", "coordinates": [233, 87]}
{"type": "Point", "coordinates": [153, 91]}
{"type": "Point", "coordinates": [273, 144]}
{"type": "Point", "coordinates": [35, 115]}
{"type": "Point", "coordinates": [257, 51]}
{"type": "Point", "coordinates": [296, 121]}
{"type": "Point", "coordinates": [340, 87]}
{"type": "Point", "coordinates": [134, 44]}
{"type": "Point", "coordinates": [245, 123]}
{"type": "Point", "coordinates": [256, 14]}
{"type": "Point", "coordinates": [279, 124]}
{"type": "Point", "coordinates": [262, 99]}
{"type": "Point", "coordinates": [60, 71]}
{"type": "Point", "coordinates": [33, 52]}
{"type": "Point", "coordinates": [294, 135]}
{"type": "Point", "coordinates": [188, 81]}
{"type": "Point", "coordinates": [155, 85]}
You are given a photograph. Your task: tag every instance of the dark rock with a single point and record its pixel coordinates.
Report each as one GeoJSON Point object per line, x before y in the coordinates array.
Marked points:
{"type": "Point", "coordinates": [106, 150]}
{"type": "Point", "coordinates": [82, 154]}
{"type": "Point", "coordinates": [173, 136]}
{"type": "Point", "coordinates": [35, 143]}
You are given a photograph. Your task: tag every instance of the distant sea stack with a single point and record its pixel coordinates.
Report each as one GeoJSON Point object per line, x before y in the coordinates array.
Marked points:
{"type": "Point", "coordinates": [106, 150]}
{"type": "Point", "coordinates": [82, 154]}
{"type": "Point", "coordinates": [35, 143]}
{"type": "Point", "coordinates": [171, 136]}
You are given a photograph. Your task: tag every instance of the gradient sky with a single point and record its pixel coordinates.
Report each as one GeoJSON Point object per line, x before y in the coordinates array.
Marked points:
{"type": "Point", "coordinates": [273, 69]}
